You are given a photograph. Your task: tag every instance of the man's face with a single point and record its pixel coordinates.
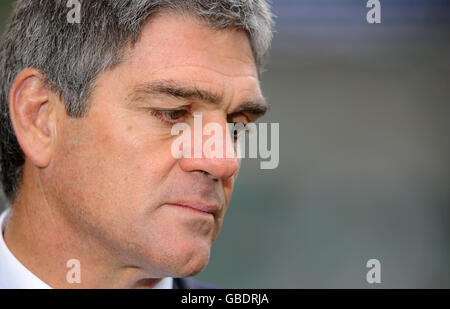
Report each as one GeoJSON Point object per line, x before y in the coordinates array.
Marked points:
{"type": "Point", "coordinates": [113, 174]}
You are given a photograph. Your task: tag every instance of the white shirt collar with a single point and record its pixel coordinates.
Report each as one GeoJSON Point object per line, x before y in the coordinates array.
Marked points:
{"type": "Point", "coordinates": [14, 275]}
{"type": "Point", "coordinates": [165, 283]}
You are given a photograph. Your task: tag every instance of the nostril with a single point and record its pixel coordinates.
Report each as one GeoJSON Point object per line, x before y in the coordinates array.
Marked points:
{"type": "Point", "coordinates": [215, 179]}
{"type": "Point", "coordinates": [215, 169]}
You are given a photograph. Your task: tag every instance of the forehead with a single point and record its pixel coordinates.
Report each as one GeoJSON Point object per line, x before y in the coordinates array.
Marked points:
{"type": "Point", "coordinates": [181, 45]}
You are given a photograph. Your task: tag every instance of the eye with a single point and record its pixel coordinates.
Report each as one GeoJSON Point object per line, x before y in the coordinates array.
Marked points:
{"type": "Point", "coordinates": [170, 116]}
{"type": "Point", "coordinates": [238, 118]}
{"type": "Point", "coordinates": [237, 129]}
{"type": "Point", "coordinates": [239, 121]}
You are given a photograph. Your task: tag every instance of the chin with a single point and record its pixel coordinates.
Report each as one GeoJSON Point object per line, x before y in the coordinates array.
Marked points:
{"type": "Point", "coordinates": [187, 263]}
{"type": "Point", "coordinates": [173, 249]}
{"type": "Point", "coordinates": [193, 265]}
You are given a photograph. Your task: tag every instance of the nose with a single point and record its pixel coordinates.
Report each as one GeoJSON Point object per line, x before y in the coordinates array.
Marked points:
{"type": "Point", "coordinates": [222, 163]}
{"type": "Point", "coordinates": [217, 168]}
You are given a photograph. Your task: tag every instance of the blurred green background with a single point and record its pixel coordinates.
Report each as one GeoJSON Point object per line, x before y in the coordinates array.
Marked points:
{"type": "Point", "coordinates": [364, 113]}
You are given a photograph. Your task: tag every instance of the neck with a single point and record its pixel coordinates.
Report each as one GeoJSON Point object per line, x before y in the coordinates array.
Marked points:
{"type": "Point", "coordinates": [41, 239]}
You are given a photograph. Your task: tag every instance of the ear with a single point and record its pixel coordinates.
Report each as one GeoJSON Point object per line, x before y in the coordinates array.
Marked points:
{"type": "Point", "coordinates": [32, 116]}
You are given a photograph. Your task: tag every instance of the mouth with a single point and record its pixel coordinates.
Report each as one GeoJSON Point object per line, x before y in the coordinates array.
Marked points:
{"type": "Point", "coordinates": [197, 206]}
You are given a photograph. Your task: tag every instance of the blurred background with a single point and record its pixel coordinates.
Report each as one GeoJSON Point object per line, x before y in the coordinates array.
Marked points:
{"type": "Point", "coordinates": [364, 113]}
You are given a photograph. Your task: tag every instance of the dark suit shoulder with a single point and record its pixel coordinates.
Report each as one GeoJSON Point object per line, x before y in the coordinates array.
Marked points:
{"type": "Point", "coordinates": [191, 283]}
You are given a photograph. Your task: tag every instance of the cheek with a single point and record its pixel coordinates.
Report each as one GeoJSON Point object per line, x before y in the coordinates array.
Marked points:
{"type": "Point", "coordinates": [110, 165]}
{"type": "Point", "coordinates": [135, 164]}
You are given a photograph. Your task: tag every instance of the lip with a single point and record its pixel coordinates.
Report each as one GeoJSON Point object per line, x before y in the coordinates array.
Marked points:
{"type": "Point", "coordinates": [200, 206]}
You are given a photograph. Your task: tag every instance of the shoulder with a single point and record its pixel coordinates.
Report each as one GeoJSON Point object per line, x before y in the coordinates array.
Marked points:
{"type": "Point", "coordinates": [191, 283]}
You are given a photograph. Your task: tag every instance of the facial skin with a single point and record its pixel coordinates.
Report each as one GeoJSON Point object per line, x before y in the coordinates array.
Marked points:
{"type": "Point", "coordinates": [100, 188]}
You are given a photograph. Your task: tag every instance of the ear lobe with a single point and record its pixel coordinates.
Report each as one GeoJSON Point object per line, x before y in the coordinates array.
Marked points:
{"type": "Point", "coordinates": [31, 116]}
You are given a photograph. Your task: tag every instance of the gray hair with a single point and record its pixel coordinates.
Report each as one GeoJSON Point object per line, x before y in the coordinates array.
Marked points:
{"type": "Point", "coordinates": [72, 55]}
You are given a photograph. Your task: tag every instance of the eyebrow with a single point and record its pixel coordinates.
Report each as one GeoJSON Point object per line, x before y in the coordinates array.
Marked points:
{"type": "Point", "coordinates": [179, 90]}
{"type": "Point", "coordinates": [257, 108]}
